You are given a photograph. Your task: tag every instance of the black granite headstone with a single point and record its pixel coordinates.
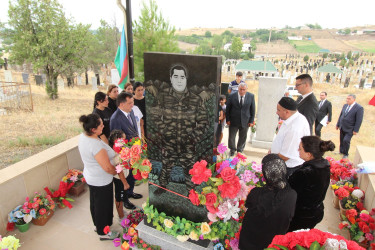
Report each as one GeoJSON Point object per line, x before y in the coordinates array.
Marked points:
{"type": "Point", "coordinates": [347, 80]}
{"type": "Point", "coordinates": [25, 77]}
{"type": "Point", "coordinates": [181, 102]}
{"type": "Point", "coordinates": [38, 79]}
{"type": "Point", "coordinates": [362, 83]}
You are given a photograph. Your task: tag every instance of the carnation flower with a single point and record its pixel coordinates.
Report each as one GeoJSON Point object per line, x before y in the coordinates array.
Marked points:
{"type": "Point", "coordinates": [199, 172]}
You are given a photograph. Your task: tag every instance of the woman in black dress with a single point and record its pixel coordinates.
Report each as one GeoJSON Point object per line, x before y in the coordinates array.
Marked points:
{"type": "Point", "coordinates": [140, 102]}
{"type": "Point", "coordinates": [101, 109]}
{"type": "Point", "coordinates": [311, 181]}
{"type": "Point", "coordinates": [270, 208]}
{"type": "Point", "coordinates": [112, 94]}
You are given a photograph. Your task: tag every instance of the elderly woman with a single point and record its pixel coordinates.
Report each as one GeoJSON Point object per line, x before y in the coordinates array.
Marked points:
{"type": "Point", "coordinates": [310, 180]}
{"type": "Point", "coordinates": [270, 208]}
{"type": "Point", "coordinates": [98, 161]}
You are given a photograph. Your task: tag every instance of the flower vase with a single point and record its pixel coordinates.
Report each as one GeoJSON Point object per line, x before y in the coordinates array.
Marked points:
{"type": "Point", "coordinates": [42, 220]}
{"type": "Point", "coordinates": [61, 206]}
{"type": "Point", "coordinates": [77, 189]}
{"type": "Point", "coordinates": [24, 227]}
{"type": "Point", "coordinates": [335, 200]}
{"type": "Point", "coordinates": [342, 210]}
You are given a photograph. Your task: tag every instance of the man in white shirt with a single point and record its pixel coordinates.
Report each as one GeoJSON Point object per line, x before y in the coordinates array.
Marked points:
{"type": "Point", "coordinates": [288, 138]}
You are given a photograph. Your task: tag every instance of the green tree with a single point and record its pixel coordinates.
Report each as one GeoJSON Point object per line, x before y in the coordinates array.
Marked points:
{"type": "Point", "coordinates": [236, 47]}
{"type": "Point", "coordinates": [349, 55]}
{"type": "Point", "coordinates": [44, 37]}
{"type": "Point", "coordinates": [342, 63]}
{"type": "Point", "coordinates": [325, 55]}
{"type": "Point", "coordinates": [347, 31]}
{"type": "Point", "coordinates": [217, 43]}
{"type": "Point", "coordinates": [208, 34]}
{"type": "Point", "coordinates": [306, 58]}
{"type": "Point", "coordinates": [152, 33]}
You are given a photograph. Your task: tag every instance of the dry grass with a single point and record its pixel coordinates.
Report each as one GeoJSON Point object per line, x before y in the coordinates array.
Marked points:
{"type": "Point", "coordinates": [26, 133]}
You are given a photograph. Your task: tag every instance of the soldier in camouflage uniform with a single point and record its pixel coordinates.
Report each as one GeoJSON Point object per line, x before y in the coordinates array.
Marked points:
{"type": "Point", "coordinates": [182, 121]}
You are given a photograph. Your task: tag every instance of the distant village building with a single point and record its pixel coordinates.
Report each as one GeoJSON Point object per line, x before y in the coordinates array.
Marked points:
{"type": "Point", "coordinates": [227, 46]}
{"type": "Point", "coordinates": [246, 47]}
{"type": "Point", "coordinates": [305, 28]}
{"type": "Point", "coordinates": [295, 38]}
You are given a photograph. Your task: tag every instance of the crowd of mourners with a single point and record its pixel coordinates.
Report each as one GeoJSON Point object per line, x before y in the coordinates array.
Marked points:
{"type": "Point", "coordinates": [297, 176]}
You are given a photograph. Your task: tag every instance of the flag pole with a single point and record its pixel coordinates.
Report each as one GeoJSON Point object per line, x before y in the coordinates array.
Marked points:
{"type": "Point", "coordinates": [130, 40]}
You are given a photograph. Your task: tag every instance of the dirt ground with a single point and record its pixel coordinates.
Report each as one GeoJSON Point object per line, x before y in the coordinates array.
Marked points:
{"type": "Point", "coordinates": [334, 45]}
{"type": "Point", "coordinates": [275, 48]}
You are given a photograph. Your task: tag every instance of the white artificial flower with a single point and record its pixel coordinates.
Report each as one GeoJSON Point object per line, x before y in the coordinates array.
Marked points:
{"type": "Point", "coordinates": [358, 193]}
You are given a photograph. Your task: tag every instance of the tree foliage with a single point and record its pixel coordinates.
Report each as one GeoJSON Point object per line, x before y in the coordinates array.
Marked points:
{"type": "Point", "coordinates": [236, 47]}
{"type": "Point", "coordinates": [152, 33]}
{"type": "Point", "coordinates": [44, 37]}
{"type": "Point", "coordinates": [306, 58]}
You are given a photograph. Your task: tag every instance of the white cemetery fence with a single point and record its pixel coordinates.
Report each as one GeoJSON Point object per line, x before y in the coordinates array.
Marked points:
{"type": "Point", "coordinates": [15, 95]}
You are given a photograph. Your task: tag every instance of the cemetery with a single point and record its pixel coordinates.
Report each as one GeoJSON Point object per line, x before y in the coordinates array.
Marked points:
{"type": "Point", "coordinates": [59, 188]}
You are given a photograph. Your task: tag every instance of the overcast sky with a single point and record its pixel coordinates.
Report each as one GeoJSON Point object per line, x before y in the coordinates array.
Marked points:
{"type": "Point", "coordinates": [245, 14]}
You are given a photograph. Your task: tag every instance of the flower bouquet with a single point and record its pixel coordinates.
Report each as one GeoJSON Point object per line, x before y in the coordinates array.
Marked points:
{"type": "Point", "coordinates": [341, 170]}
{"type": "Point", "coordinates": [349, 197]}
{"type": "Point", "coordinates": [133, 156]}
{"type": "Point", "coordinates": [311, 239]}
{"type": "Point", "coordinates": [361, 225]}
{"type": "Point", "coordinates": [75, 176]}
{"type": "Point", "coordinates": [21, 216]}
{"type": "Point", "coordinates": [9, 243]}
{"type": "Point", "coordinates": [59, 196]}
{"type": "Point", "coordinates": [43, 206]}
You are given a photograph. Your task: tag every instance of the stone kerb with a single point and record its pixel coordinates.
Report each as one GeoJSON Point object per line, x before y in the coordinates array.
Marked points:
{"type": "Point", "coordinates": [44, 169]}
{"type": "Point", "coordinates": [366, 181]}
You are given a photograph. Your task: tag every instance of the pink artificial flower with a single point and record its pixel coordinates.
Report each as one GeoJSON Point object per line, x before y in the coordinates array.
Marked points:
{"type": "Point", "coordinates": [369, 236]}
{"type": "Point", "coordinates": [212, 217]}
{"type": "Point", "coordinates": [224, 164]}
{"type": "Point", "coordinates": [365, 217]}
{"type": "Point", "coordinates": [119, 168]}
{"type": "Point", "coordinates": [27, 199]}
{"type": "Point", "coordinates": [234, 161]}
{"type": "Point", "coordinates": [74, 178]}
{"type": "Point", "coordinates": [242, 194]}
{"type": "Point", "coordinates": [221, 148]}
{"type": "Point", "coordinates": [256, 167]}
{"type": "Point", "coordinates": [117, 242]}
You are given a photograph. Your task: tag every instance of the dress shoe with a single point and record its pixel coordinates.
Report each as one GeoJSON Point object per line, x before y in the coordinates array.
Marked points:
{"type": "Point", "coordinates": [129, 205]}
{"type": "Point", "coordinates": [231, 154]}
{"type": "Point", "coordinates": [344, 156]}
{"type": "Point", "coordinates": [135, 196]}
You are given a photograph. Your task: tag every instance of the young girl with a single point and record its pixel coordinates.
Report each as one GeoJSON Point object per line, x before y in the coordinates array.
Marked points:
{"type": "Point", "coordinates": [119, 180]}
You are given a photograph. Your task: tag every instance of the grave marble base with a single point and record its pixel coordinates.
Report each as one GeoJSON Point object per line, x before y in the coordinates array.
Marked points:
{"type": "Point", "coordinates": [165, 241]}
{"type": "Point", "coordinates": [261, 144]}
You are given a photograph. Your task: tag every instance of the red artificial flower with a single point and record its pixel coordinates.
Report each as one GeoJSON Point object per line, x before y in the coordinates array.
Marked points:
{"type": "Point", "coordinates": [144, 245]}
{"type": "Point", "coordinates": [230, 189]}
{"type": "Point", "coordinates": [212, 209]}
{"type": "Point", "coordinates": [10, 226]}
{"type": "Point", "coordinates": [106, 229]}
{"type": "Point", "coordinates": [228, 174]}
{"type": "Point", "coordinates": [117, 146]}
{"type": "Point", "coordinates": [42, 211]}
{"type": "Point", "coordinates": [372, 226]}
{"type": "Point", "coordinates": [217, 166]}
{"type": "Point", "coordinates": [360, 206]}
{"type": "Point", "coordinates": [210, 199]}
{"type": "Point", "coordinates": [138, 176]}
{"type": "Point", "coordinates": [342, 193]}
{"type": "Point", "coordinates": [199, 172]}
{"type": "Point", "coordinates": [363, 226]}
{"type": "Point", "coordinates": [241, 157]}
{"type": "Point", "coordinates": [372, 246]}
{"type": "Point", "coordinates": [194, 198]}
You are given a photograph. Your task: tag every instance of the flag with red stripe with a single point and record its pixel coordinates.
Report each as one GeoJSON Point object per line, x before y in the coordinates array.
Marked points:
{"type": "Point", "coordinates": [121, 60]}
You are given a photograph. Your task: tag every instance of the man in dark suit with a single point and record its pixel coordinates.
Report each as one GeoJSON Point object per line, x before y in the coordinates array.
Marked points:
{"type": "Point", "coordinates": [240, 115]}
{"type": "Point", "coordinates": [325, 108]}
{"type": "Point", "coordinates": [124, 119]}
{"type": "Point", "coordinates": [307, 104]}
{"type": "Point", "coordinates": [349, 122]}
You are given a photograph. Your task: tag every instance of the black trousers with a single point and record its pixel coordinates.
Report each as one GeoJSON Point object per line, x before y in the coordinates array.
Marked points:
{"type": "Point", "coordinates": [101, 206]}
{"type": "Point", "coordinates": [345, 138]}
{"type": "Point", "coordinates": [318, 128]}
{"type": "Point", "coordinates": [242, 135]}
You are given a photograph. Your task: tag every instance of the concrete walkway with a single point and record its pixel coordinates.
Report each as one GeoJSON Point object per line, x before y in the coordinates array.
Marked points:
{"type": "Point", "coordinates": [73, 229]}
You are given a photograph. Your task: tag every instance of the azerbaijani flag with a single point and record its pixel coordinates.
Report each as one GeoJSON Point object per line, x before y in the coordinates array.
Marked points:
{"type": "Point", "coordinates": [121, 60]}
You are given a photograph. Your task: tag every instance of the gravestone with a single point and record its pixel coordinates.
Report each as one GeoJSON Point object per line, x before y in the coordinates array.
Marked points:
{"type": "Point", "coordinates": [8, 76]}
{"type": "Point", "coordinates": [79, 80]}
{"type": "Point", "coordinates": [347, 80]}
{"type": "Point", "coordinates": [373, 83]}
{"type": "Point", "coordinates": [269, 94]}
{"type": "Point", "coordinates": [44, 78]}
{"type": "Point", "coordinates": [38, 79]}
{"type": "Point", "coordinates": [362, 83]}
{"type": "Point", "coordinates": [94, 83]}
{"type": "Point", "coordinates": [180, 126]}
{"type": "Point", "coordinates": [115, 76]}
{"type": "Point", "coordinates": [25, 77]}
{"type": "Point", "coordinates": [60, 84]}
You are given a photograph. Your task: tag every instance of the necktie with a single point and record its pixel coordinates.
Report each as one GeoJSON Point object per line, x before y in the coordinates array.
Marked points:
{"type": "Point", "coordinates": [299, 99]}
{"type": "Point", "coordinates": [241, 101]}
{"type": "Point", "coordinates": [320, 104]}
{"type": "Point", "coordinates": [130, 119]}
{"type": "Point", "coordinates": [347, 110]}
